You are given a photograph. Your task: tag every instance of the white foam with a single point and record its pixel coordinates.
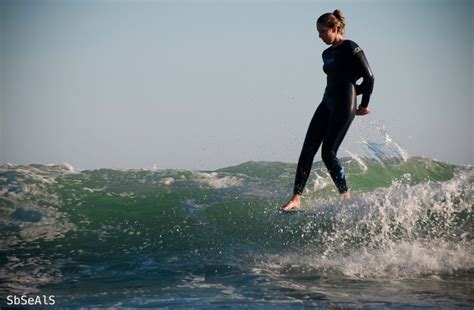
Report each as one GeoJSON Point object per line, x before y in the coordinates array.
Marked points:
{"type": "Point", "coordinates": [69, 169]}
{"type": "Point", "coordinates": [321, 181]}
{"type": "Point", "coordinates": [168, 181]}
{"type": "Point", "coordinates": [93, 190]}
{"type": "Point", "coordinates": [34, 221]}
{"type": "Point", "coordinates": [397, 232]}
{"type": "Point", "coordinates": [214, 181]}
{"type": "Point", "coordinates": [194, 282]}
{"type": "Point", "coordinates": [407, 259]}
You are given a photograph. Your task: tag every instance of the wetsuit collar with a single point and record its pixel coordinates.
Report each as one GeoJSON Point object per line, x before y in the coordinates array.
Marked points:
{"type": "Point", "coordinates": [342, 42]}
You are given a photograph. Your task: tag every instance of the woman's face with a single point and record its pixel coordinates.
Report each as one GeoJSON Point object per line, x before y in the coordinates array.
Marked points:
{"type": "Point", "coordinates": [328, 35]}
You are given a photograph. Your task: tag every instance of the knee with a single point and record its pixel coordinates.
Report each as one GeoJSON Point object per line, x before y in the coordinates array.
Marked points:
{"type": "Point", "coordinates": [308, 152]}
{"type": "Point", "coordinates": [327, 156]}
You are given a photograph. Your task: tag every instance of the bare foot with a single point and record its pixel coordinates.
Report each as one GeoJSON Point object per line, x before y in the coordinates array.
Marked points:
{"type": "Point", "coordinates": [346, 196]}
{"type": "Point", "coordinates": [292, 205]}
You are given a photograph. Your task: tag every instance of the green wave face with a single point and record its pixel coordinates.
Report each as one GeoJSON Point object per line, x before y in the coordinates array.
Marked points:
{"type": "Point", "coordinates": [406, 218]}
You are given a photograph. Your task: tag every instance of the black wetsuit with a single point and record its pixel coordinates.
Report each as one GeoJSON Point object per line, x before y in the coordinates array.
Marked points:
{"type": "Point", "coordinates": [344, 65]}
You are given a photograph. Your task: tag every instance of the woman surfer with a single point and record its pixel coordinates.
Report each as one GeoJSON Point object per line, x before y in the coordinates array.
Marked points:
{"type": "Point", "coordinates": [344, 63]}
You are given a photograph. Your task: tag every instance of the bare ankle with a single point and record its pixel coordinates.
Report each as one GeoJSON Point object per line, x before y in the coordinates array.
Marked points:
{"type": "Point", "coordinates": [296, 198]}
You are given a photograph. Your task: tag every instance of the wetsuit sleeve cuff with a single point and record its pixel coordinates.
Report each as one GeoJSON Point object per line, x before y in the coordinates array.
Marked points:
{"type": "Point", "coordinates": [365, 100]}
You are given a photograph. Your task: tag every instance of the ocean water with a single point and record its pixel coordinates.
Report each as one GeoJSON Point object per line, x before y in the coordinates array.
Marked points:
{"type": "Point", "coordinates": [206, 239]}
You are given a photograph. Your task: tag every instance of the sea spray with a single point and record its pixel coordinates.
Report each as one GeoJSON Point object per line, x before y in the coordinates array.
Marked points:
{"type": "Point", "coordinates": [397, 232]}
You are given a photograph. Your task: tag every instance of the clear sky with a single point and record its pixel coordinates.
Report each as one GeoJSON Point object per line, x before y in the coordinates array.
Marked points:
{"type": "Point", "coordinates": [209, 84]}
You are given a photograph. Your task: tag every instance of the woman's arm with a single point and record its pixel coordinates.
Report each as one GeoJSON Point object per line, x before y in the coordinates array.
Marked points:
{"type": "Point", "coordinates": [368, 78]}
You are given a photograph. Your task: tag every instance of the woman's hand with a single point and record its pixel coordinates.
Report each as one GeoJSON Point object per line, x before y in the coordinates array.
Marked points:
{"type": "Point", "coordinates": [362, 111]}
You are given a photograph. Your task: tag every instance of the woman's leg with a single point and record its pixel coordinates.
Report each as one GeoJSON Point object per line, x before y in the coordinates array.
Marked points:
{"type": "Point", "coordinates": [314, 137]}
{"type": "Point", "coordinates": [339, 122]}
{"type": "Point", "coordinates": [335, 134]}
{"type": "Point", "coordinates": [312, 141]}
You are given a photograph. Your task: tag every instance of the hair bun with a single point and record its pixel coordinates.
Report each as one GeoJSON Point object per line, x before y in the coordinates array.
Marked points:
{"type": "Point", "coordinates": [339, 15]}
{"type": "Point", "coordinates": [334, 19]}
